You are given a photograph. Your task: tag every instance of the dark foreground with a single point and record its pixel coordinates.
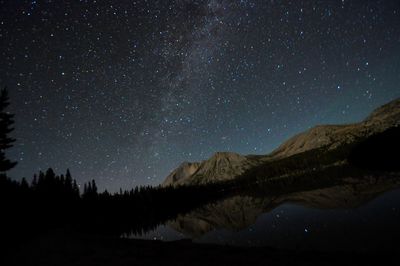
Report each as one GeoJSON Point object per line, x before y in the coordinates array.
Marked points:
{"type": "Point", "coordinates": [69, 249]}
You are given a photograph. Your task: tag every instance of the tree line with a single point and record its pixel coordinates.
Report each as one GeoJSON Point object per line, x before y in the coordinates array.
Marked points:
{"type": "Point", "coordinates": [51, 201]}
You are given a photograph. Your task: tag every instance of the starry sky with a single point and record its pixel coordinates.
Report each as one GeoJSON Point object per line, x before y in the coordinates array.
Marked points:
{"type": "Point", "coordinates": [124, 91]}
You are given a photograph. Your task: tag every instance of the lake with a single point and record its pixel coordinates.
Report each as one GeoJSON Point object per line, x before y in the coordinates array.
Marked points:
{"type": "Point", "coordinates": [359, 214]}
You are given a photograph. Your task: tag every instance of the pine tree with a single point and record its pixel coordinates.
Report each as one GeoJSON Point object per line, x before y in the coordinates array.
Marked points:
{"type": "Point", "coordinates": [68, 181]}
{"type": "Point", "coordinates": [75, 188]}
{"type": "Point", "coordinates": [34, 181]}
{"type": "Point", "coordinates": [50, 175]}
{"type": "Point", "coordinates": [6, 122]}
{"type": "Point", "coordinates": [24, 184]}
{"type": "Point", "coordinates": [41, 179]}
{"type": "Point", "coordinates": [89, 188]}
{"type": "Point", "coordinates": [94, 188]}
{"type": "Point", "coordinates": [85, 189]}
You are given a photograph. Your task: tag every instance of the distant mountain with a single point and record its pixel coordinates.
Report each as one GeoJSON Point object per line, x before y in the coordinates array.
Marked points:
{"type": "Point", "coordinates": [332, 136]}
{"type": "Point", "coordinates": [221, 166]}
{"type": "Point", "coordinates": [228, 165]}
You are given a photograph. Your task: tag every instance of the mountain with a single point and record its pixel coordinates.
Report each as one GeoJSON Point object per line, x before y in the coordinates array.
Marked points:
{"type": "Point", "coordinates": [221, 166]}
{"type": "Point", "coordinates": [332, 136]}
{"type": "Point", "coordinates": [186, 169]}
{"type": "Point", "coordinates": [228, 165]}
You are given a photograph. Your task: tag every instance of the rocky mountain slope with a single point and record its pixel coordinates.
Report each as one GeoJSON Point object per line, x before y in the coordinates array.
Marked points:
{"type": "Point", "coordinates": [228, 165]}
{"type": "Point", "coordinates": [332, 136]}
{"type": "Point", "coordinates": [186, 169]}
{"type": "Point", "coordinates": [221, 166]}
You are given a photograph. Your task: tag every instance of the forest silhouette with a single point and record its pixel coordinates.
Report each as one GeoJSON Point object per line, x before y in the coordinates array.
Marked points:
{"type": "Point", "coordinates": [51, 201]}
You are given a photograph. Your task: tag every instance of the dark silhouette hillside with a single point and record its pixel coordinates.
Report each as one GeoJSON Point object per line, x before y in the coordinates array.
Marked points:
{"type": "Point", "coordinates": [379, 152]}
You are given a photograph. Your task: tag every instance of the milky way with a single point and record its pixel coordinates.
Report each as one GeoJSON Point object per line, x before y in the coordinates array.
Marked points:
{"type": "Point", "coordinates": [124, 91]}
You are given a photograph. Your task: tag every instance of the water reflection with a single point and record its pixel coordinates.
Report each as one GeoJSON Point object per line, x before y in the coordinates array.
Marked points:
{"type": "Point", "coordinates": [241, 211]}
{"type": "Point", "coordinates": [355, 213]}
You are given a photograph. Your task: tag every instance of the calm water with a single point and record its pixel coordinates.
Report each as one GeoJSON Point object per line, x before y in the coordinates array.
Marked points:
{"type": "Point", "coordinates": [356, 215]}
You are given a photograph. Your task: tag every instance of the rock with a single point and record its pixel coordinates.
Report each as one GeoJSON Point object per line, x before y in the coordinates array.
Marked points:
{"type": "Point", "coordinates": [185, 170]}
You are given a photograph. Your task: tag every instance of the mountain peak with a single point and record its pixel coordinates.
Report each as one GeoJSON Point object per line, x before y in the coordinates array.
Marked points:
{"type": "Point", "coordinates": [184, 171]}
{"type": "Point", "coordinates": [389, 111]}
{"type": "Point", "coordinates": [220, 166]}
{"type": "Point", "coordinates": [228, 165]}
{"type": "Point", "coordinates": [332, 136]}
{"type": "Point", "coordinates": [227, 155]}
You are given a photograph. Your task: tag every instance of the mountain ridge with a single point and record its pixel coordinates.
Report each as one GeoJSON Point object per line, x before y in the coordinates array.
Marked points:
{"type": "Point", "coordinates": [229, 165]}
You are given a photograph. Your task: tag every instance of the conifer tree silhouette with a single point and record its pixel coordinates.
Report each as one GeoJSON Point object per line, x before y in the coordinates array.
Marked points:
{"type": "Point", "coordinates": [94, 188]}
{"type": "Point", "coordinates": [75, 189]}
{"type": "Point", "coordinates": [6, 123]}
{"type": "Point", "coordinates": [68, 182]}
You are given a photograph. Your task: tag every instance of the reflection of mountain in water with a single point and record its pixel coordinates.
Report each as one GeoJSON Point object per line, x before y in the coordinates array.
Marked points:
{"type": "Point", "coordinates": [241, 211]}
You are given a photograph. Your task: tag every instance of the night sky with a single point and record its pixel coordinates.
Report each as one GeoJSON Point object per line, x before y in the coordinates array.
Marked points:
{"type": "Point", "coordinates": [124, 91]}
